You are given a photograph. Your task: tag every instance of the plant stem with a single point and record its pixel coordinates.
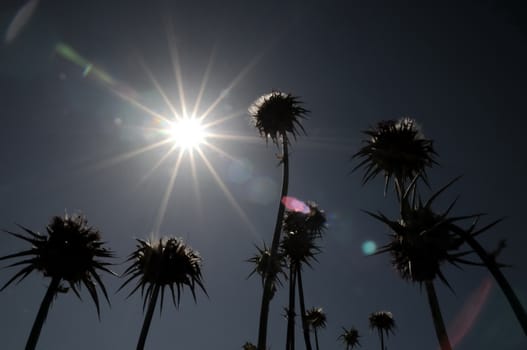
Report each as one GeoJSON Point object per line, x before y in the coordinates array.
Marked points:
{"type": "Point", "coordinates": [382, 339]}
{"type": "Point", "coordinates": [316, 338]}
{"type": "Point", "coordinates": [148, 318]}
{"type": "Point", "coordinates": [290, 341]}
{"type": "Point", "coordinates": [267, 292]}
{"type": "Point", "coordinates": [494, 269]}
{"type": "Point", "coordinates": [439, 324]}
{"type": "Point", "coordinates": [42, 313]}
{"type": "Point", "coordinates": [305, 326]}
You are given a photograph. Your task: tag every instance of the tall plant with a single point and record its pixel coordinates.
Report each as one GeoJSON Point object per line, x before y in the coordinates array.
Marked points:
{"type": "Point", "coordinates": [277, 116]}
{"type": "Point", "coordinates": [167, 262]}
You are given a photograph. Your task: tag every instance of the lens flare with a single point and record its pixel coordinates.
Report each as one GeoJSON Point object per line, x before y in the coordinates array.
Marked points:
{"type": "Point", "coordinates": [468, 315]}
{"type": "Point", "coordinates": [294, 204]}
{"type": "Point", "coordinates": [369, 247]}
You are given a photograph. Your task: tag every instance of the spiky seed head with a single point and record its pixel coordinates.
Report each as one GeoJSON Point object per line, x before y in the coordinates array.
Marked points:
{"type": "Point", "coordinates": [70, 252]}
{"type": "Point", "coordinates": [276, 114]}
{"type": "Point", "coordinates": [261, 260]}
{"type": "Point", "coordinates": [299, 247]}
{"type": "Point", "coordinates": [397, 149]}
{"type": "Point", "coordinates": [382, 321]}
{"type": "Point", "coordinates": [312, 222]}
{"type": "Point", "coordinates": [164, 262]}
{"type": "Point", "coordinates": [350, 337]}
{"type": "Point", "coordinates": [316, 317]}
{"type": "Point", "coordinates": [422, 240]}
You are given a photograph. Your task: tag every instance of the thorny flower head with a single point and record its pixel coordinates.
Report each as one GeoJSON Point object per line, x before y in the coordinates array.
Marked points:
{"type": "Point", "coordinates": [423, 239]}
{"type": "Point", "coordinates": [395, 148]}
{"type": "Point", "coordinates": [276, 114]}
{"type": "Point", "coordinates": [350, 337]}
{"type": "Point", "coordinates": [316, 317]}
{"type": "Point", "coordinates": [382, 321]}
{"type": "Point", "coordinates": [70, 252]}
{"type": "Point", "coordinates": [313, 222]}
{"type": "Point", "coordinates": [164, 262]}
{"type": "Point", "coordinates": [261, 260]}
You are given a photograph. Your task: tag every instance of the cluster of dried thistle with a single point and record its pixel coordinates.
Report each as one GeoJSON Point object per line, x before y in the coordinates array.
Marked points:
{"type": "Point", "coordinates": [72, 254]}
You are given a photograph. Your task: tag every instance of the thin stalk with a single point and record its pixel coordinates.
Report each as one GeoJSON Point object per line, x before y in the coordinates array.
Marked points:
{"type": "Point", "coordinates": [494, 269]}
{"type": "Point", "coordinates": [382, 339]}
{"type": "Point", "coordinates": [305, 325]}
{"type": "Point", "coordinates": [42, 313]}
{"type": "Point", "coordinates": [267, 292]}
{"type": "Point", "coordinates": [316, 338]}
{"type": "Point", "coordinates": [290, 341]}
{"type": "Point", "coordinates": [439, 324]}
{"type": "Point", "coordinates": [148, 318]}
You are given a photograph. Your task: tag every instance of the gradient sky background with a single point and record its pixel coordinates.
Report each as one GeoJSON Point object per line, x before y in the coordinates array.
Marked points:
{"type": "Point", "coordinates": [458, 67]}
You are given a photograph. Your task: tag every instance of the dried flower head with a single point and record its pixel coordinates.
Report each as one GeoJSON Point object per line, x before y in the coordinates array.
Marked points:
{"type": "Point", "coordinates": [312, 222]}
{"type": "Point", "coordinates": [276, 114]}
{"type": "Point", "coordinates": [164, 262]}
{"type": "Point", "coordinates": [350, 337]}
{"type": "Point", "coordinates": [397, 149]}
{"type": "Point", "coordinates": [316, 317]}
{"type": "Point", "coordinates": [299, 247]}
{"type": "Point", "coordinates": [261, 260]}
{"type": "Point", "coordinates": [69, 252]}
{"type": "Point", "coordinates": [382, 321]}
{"type": "Point", "coordinates": [422, 240]}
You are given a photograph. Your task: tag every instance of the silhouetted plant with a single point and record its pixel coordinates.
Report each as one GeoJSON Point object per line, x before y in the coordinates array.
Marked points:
{"type": "Point", "coordinates": [316, 318]}
{"type": "Point", "coordinates": [158, 264]}
{"type": "Point", "coordinates": [276, 115]}
{"type": "Point", "coordinates": [298, 246]}
{"type": "Point", "coordinates": [383, 322]}
{"type": "Point", "coordinates": [260, 261]}
{"type": "Point", "coordinates": [350, 338]}
{"type": "Point", "coordinates": [423, 239]}
{"type": "Point", "coordinates": [396, 148]}
{"type": "Point", "coordinates": [69, 252]}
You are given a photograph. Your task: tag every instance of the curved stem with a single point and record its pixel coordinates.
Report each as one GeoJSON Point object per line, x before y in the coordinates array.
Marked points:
{"type": "Point", "coordinates": [439, 324]}
{"type": "Point", "coordinates": [494, 269]}
{"type": "Point", "coordinates": [305, 326]}
{"type": "Point", "coordinates": [290, 341]}
{"type": "Point", "coordinates": [42, 313]}
{"type": "Point", "coordinates": [268, 292]}
{"type": "Point", "coordinates": [148, 318]}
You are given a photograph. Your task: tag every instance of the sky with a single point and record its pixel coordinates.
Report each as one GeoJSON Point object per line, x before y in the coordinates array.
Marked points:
{"type": "Point", "coordinates": [70, 72]}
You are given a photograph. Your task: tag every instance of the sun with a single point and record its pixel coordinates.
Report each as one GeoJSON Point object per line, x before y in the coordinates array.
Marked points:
{"type": "Point", "coordinates": [187, 133]}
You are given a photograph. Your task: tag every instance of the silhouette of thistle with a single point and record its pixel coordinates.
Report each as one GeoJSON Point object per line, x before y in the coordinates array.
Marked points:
{"type": "Point", "coordinates": [299, 247]}
{"type": "Point", "coordinates": [69, 252]}
{"type": "Point", "coordinates": [316, 319]}
{"type": "Point", "coordinates": [397, 149]}
{"type": "Point", "coordinates": [383, 322]}
{"type": "Point", "coordinates": [158, 264]}
{"type": "Point", "coordinates": [350, 338]}
{"type": "Point", "coordinates": [276, 115]}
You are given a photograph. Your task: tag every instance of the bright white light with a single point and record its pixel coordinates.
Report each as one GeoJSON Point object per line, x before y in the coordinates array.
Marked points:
{"type": "Point", "coordinates": [187, 133]}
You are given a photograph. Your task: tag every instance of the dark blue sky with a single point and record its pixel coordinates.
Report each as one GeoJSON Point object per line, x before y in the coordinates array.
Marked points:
{"type": "Point", "coordinates": [457, 67]}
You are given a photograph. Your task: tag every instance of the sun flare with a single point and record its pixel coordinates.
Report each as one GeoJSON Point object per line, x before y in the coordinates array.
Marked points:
{"type": "Point", "coordinates": [187, 133]}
